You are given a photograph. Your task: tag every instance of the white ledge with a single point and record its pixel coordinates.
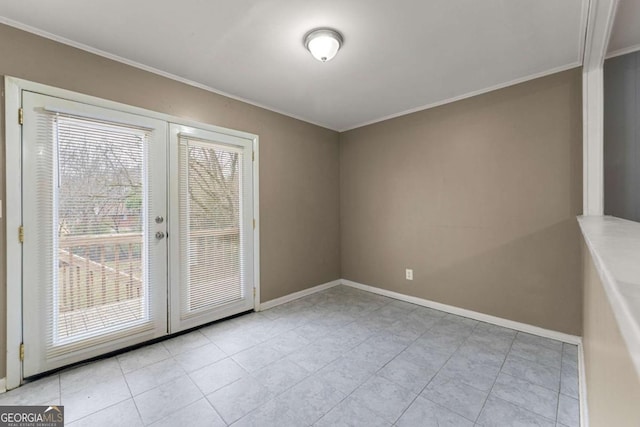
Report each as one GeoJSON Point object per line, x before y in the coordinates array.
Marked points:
{"type": "Point", "coordinates": [614, 244]}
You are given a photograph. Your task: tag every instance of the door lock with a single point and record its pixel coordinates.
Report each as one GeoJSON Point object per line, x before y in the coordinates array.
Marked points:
{"type": "Point", "coordinates": [160, 235]}
{"type": "Point", "coordinates": [159, 219]}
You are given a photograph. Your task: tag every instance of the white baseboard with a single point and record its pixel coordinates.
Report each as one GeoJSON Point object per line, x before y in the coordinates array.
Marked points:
{"type": "Point", "coordinates": [3, 385]}
{"type": "Point", "coordinates": [518, 326]}
{"type": "Point", "coordinates": [294, 296]}
{"type": "Point", "coordinates": [582, 390]}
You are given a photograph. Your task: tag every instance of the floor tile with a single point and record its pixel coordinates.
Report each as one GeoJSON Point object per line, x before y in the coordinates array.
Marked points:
{"type": "Point", "coordinates": [425, 356]}
{"type": "Point", "coordinates": [426, 413]}
{"type": "Point", "coordinates": [342, 339]}
{"type": "Point", "coordinates": [347, 374]}
{"type": "Point", "coordinates": [350, 413]}
{"type": "Point", "coordinates": [570, 354]}
{"type": "Point", "coordinates": [199, 357]}
{"type": "Point", "coordinates": [481, 353]}
{"type": "Point", "coordinates": [337, 357]}
{"type": "Point", "coordinates": [237, 341]}
{"type": "Point", "coordinates": [536, 353]}
{"type": "Point", "coordinates": [500, 413]}
{"type": "Point", "coordinates": [143, 356]}
{"type": "Point", "coordinates": [288, 342]}
{"type": "Point", "coordinates": [456, 395]}
{"type": "Point", "coordinates": [280, 375]}
{"type": "Point", "coordinates": [527, 395]}
{"type": "Point", "coordinates": [40, 392]}
{"type": "Point", "coordinates": [314, 356]}
{"type": "Point", "coordinates": [153, 375]}
{"type": "Point", "coordinates": [217, 375]}
{"type": "Point", "coordinates": [197, 414]}
{"type": "Point", "coordinates": [312, 330]}
{"type": "Point", "coordinates": [165, 400]}
{"type": "Point", "coordinates": [407, 374]}
{"type": "Point", "coordinates": [89, 375]}
{"type": "Point", "coordinates": [309, 400]}
{"type": "Point", "coordinates": [271, 414]}
{"type": "Point", "coordinates": [569, 380]}
{"type": "Point", "coordinates": [239, 398]}
{"type": "Point", "coordinates": [80, 403]}
{"type": "Point", "coordinates": [257, 357]}
{"type": "Point", "coordinates": [532, 372]}
{"type": "Point", "coordinates": [384, 397]}
{"type": "Point", "coordinates": [568, 411]}
{"type": "Point", "coordinates": [378, 349]}
{"type": "Point", "coordinates": [471, 372]}
{"type": "Point", "coordinates": [185, 342]}
{"type": "Point", "coordinates": [441, 341]}
{"type": "Point", "coordinates": [539, 341]}
{"type": "Point", "coordinates": [123, 414]}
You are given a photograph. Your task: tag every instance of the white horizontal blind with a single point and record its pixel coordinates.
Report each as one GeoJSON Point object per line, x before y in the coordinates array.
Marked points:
{"type": "Point", "coordinates": [92, 201]}
{"type": "Point", "coordinates": [211, 253]}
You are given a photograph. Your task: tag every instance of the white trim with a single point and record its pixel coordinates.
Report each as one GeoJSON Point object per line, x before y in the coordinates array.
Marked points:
{"type": "Point", "coordinates": [602, 14]}
{"type": "Point", "coordinates": [296, 295]}
{"type": "Point", "coordinates": [129, 62]}
{"type": "Point", "coordinates": [582, 391]}
{"type": "Point", "coordinates": [468, 95]}
{"type": "Point", "coordinates": [13, 203]}
{"type": "Point", "coordinates": [584, 22]}
{"type": "Point", "coordinates": [518, 326]}
{"type": "Point", "coordinates": [256, 217]}
{"type": "Point", "coordinates": [105, 103]}
{"type": "Point", "coordinates": [623, 51]}
{"type": "Point", "coordinates": [599, 25]}
{"type": "Point", "coordinates": [593, 142]}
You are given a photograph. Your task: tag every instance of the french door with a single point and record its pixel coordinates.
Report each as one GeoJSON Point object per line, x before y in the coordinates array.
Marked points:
{"type": "Point", "coordinates": [133, 228]}
{"type": "Point", "coordinates": [211, 226]}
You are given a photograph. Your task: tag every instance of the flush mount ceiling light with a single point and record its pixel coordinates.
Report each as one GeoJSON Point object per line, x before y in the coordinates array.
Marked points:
{"type": "Point", "coordinates": [323, 43]}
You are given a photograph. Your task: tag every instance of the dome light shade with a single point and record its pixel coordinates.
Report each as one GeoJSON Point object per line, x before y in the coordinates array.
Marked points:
{"type": "Point", "coordinates": [323, 43]}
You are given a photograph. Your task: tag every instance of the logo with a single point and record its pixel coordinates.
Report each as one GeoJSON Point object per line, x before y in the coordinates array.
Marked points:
{"type": "Point", "coordinates": [32, 416]}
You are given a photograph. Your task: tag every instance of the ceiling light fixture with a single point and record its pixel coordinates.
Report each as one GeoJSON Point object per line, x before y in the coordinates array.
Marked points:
{"type": "Point", "coordinates": [323, 43]}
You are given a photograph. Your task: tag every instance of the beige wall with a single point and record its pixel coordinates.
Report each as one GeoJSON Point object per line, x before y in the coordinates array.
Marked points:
{"type": "Point", "coordinates": [613, 384]}
{"type": "Point", "coordinates": [299, 169]}
{"type": "Point", "coordinates": [479, 197]}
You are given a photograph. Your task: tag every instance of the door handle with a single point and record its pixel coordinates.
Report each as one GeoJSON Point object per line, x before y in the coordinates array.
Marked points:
{"type": "Point", "coordinates": [160, 235]}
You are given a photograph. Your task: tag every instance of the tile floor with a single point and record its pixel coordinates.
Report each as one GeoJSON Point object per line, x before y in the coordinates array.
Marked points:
{"type": "Point", "coordinates": [342, 357]}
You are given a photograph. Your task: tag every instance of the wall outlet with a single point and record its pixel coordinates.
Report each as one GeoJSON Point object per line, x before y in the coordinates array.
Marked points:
{"type": "Point", "coordinates": [408, 273]}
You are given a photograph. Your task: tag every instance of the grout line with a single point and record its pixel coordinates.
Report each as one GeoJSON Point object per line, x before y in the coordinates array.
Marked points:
{"type": "Point", "coordinates": [440, 369]}
{"type": "Point", "coordinates": [129, 388]}
{"type": "Point", "coordinates": [562, 364]}
{"type": "Point", "coordinates": [494, 381]}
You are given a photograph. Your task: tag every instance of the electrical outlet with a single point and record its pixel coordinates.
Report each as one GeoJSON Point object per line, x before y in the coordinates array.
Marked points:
{"type": "Point", "coordinates": [408, 273]}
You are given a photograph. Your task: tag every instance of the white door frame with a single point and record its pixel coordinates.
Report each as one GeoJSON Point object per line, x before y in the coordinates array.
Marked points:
{"type": "Point", "coordinates": [13, 164]}
{"type": "Point", "coordinates": [244, 146]}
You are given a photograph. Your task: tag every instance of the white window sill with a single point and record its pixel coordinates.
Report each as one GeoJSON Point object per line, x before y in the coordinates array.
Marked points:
{"type": "Point", "coordinates": [614, 244]}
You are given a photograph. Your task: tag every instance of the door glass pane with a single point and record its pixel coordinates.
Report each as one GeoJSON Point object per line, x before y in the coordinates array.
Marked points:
{"type": "Point", "coordinates": [100, 224]}
{"type": "Point", "coordinates": [210, 212]}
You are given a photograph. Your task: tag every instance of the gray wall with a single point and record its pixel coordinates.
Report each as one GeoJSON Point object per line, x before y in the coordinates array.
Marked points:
{"type": "Point", "coordinates": [622, 136]}
{"type": "Point", "coordinates": [299, 194]}
{"type": "Point", "coordinates": [479, 197]}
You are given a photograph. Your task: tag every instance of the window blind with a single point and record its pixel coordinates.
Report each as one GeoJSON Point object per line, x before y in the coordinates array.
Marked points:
{"type": "Point", "coordinates": [211, 254]}
{"type": "Point", "coordinates": [92, 200]}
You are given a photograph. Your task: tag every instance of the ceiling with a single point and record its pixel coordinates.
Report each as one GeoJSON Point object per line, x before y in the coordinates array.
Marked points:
{"type": "Point", "coordinates": [625, 35]}
{"type": "Point", "coordinates": [398, 56]}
